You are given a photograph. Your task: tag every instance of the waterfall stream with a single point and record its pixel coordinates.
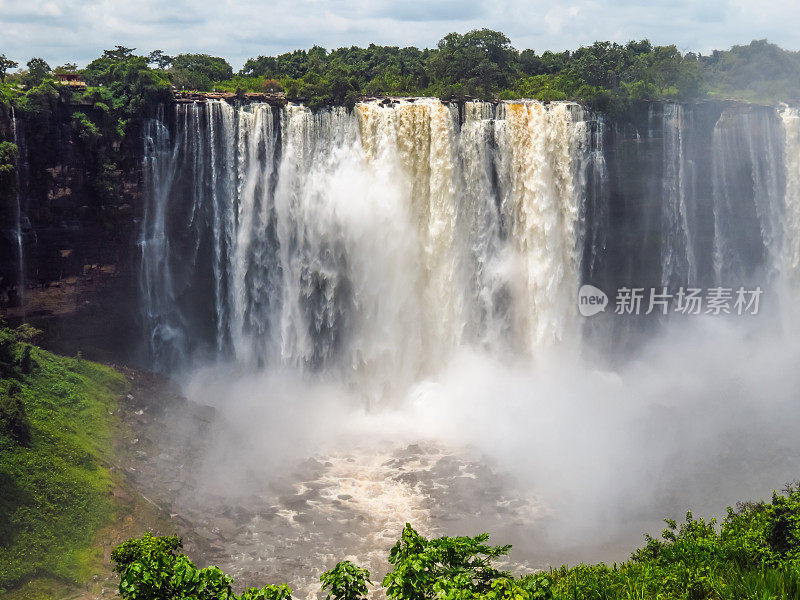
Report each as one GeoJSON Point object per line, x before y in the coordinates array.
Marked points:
{"type": "Point", "coordinates": [374, 241]}
{"type": "Point", "coordinates": [381, 304]}
{"type": "Point", "coordinates": [21, 282]}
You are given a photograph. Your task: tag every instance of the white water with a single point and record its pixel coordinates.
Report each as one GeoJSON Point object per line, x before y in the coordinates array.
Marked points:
{"type": "Point", "coordinates": [18, 220]}
{"type": "Point", "coordinates": [371, 243]}
{"type": "Point", "coordinates": [790, 256]}
{"type": "Point", "coordinates": [427, 261]}
{"type": "Point", "coordinates": [677, 249]}
{"type": "Point", "coordinates": [748, 198]}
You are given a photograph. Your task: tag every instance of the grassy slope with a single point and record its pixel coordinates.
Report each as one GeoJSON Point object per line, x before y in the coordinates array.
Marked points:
{"type": "Point", "coordinates": [56, 493]}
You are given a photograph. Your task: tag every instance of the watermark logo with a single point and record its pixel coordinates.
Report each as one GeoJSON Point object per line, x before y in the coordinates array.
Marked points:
{"type": "Point", "coordinates": [686, 301]}
{"type": "Point", "coordinates": [591, 300]}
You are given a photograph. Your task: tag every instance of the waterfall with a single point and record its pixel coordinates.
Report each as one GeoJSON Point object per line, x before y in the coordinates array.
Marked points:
{"type": "Point", "coordinates": [540, 147]}
{"type": "Point", "coordinates": [594, 218]}
{"type": "Point", "coordinates": [747, 195]}
{"type": "Point", "coordinates": [488, 257]}
{"type": "Point", "coordinates": [790, 253]}
{"type": "Point", "coordinates": [161, 316]}
{"type": "Point", "coordinates": [370, 243]}
{"type": "Point", "coordinates": [677, 246]}
{"type": "Point", "coordinates": [21, 281]}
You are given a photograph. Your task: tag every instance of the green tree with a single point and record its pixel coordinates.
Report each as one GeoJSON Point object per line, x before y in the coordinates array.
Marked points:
{"type": "Point", "coordinates": [6, 64]}
{"type": "Point", "coordinates": [425, 568]}
{"type": "Point", "coordinates": [66, 68]}
{"type": "Point", "coordinates": [38, 70]}
{"type": "Point", "coordinates": [118, 53]}
{"type": "Point", "coordinates": [481, 61]}
{"type": "Point", "coordinates": [132, 86]}
{"type": "Point", "coordinates": [263, 66]}
{"type": "Point", "coordinates": [158, 58]}
{"type": "Point", "coordinates": [212, 67]}
{"type": "Point", "coordinates": [346, 581]}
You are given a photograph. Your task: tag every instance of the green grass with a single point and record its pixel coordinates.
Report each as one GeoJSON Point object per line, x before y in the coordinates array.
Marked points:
{"type": "Point", "coordinates": [55, 490]}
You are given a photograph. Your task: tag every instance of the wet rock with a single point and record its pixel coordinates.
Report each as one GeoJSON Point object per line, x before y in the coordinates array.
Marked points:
{"type": "Point", "coordinates": [206, 534]}
{"type": "Point", "coordinates": [302, 518]}
{"type": "Point", "coordinates": [294, 502]}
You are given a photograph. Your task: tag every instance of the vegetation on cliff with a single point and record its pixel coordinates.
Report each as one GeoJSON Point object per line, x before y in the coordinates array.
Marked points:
{"type": "Point", "coordinates": [99, 125]}
{"type": "Point", "coordinates": [55, 444]}
{"type": "Point", "coordinates": [123, 87]}
{"type": "Point", "coordinates": [754, 555]}
{"type": "Point", "coordinates": [478, 64]}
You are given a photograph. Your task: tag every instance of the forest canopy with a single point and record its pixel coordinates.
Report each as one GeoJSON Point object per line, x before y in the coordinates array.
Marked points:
{"type": "Point", "coordinates": [480, 64]}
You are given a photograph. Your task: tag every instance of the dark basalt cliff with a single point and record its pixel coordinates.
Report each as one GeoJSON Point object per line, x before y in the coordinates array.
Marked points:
{"type": "Point", "coordinates": [75, 221]}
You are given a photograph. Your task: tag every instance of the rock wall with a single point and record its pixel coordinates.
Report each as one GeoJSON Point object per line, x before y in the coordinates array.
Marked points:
{"type": "Point", "coordinates": [77, 227]}
{"type": "Point", "coordinates": [649, 217]}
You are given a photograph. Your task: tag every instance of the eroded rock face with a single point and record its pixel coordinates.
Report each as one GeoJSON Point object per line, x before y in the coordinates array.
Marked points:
{"type": "Point", "coordinates": [72, 216]}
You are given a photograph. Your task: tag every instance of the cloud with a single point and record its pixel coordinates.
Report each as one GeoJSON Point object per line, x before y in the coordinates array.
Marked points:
{"type": "Point", "coordinates": [67, 30]}
{"type": "Point", "coordinates": [424, 10]}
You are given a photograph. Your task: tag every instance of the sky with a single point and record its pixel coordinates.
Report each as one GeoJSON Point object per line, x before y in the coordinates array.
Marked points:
{"type": "Point", "coordinates": [78, 30]}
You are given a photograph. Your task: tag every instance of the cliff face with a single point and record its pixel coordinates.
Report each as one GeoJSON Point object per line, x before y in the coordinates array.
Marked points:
{"type": "Point", "coordinates": [671, 170]}
{"type": "Point", "coordinates": [73, 213]}
{"type": "Point", "coordinates": [649, 220]}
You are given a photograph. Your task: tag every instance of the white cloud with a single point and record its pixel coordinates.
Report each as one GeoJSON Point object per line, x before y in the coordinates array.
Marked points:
{"type": "Point", "coordinates": [559, 16]}
{"type": "Point", "coordinates": [69, 30]}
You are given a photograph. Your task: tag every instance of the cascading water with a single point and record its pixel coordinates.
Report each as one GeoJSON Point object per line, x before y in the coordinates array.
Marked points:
{"type": "Point", "coordinates": [677, 245]}
{"type": "Point", "coordinates": [370, 241]}
{"type": "Point", "coordinates": [21, 283]}
{"type": "Point", "coordinates": [747, 195]}
{"type": "Point", "coordinates": [381, 239]}
{"type": "Point", "coordinates": [161, 316]}
{"type": "Point", "coordinates": [790, 251]}
{"type": "Point", "coordinates": [429, 254]}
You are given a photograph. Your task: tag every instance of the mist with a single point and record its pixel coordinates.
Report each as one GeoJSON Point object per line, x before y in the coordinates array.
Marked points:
{"type": "Point", "coordinates": [701, 417]}
{"type": "Point", "coordinates": [381, 307]}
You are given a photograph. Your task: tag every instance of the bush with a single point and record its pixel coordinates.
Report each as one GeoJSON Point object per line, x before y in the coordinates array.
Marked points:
{"type": "Point", "coordinates": [152, 568]}
{"type": "Point", "coordinates": [346, 581]}
{"type": "Point", "coordinates": [755, 555]}
{"type": "Point", "coordinates": [430, 568]}
{"type": "Point", "coordinates": [136, 549]}
{"type": "Point", "coordinates": [272, 86]}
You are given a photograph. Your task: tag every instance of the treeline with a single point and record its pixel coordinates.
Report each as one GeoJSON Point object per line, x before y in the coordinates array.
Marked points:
{"type": "Point", "coordinates": [483, 64]}
{"type": "Point", "coordinates": [479, 64]}
{"type": "Point", "coordinates": [124, 86]}
{"type": "Point", "coordinates": [754, 555]}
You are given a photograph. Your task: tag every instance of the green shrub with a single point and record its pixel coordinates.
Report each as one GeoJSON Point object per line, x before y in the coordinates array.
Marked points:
{"type": "Point", "coordinates": [151, 568]}
{"type": "Point", "coordinates": [753, 556]}
{"type": "Point", "coordinates": [136, 549]}
{"type": "Point", "coordinates": [346, 581]}
{"type": "Point", "coordinates": [430, 568]}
